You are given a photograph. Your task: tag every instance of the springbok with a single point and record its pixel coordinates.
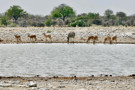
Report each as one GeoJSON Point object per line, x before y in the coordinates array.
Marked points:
{"type": "Point", "coordinates": [90, 38]}
{"type": "Point", "coordinates": [32, 37]}
{"type": "Point", "coordinates": [114, 38]}
{"type": "Point", "coordinates": [47, 36]}
{"type": "Point", "coordinates": [18, 38]}
{"type": "Point", "coordinates": [70, 35]}
{"type": "Point", "coordinates": [107, 38]}
{"type": "Point", "coordinates": [1, 40]}
{"type": "Point", "coordinates": [94, 38]}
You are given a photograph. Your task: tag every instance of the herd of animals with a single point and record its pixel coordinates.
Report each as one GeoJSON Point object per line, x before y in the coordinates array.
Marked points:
{"type": "Point", "coordinates": [32, 37]}
{"type": "Point", "coordinates": [94, 38]}
{"type": "Point", "coordinates": [70, 35]}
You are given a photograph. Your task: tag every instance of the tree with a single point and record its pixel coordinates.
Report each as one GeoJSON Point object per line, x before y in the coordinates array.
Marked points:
{"type": "Point", "coordinates": [97, 22]}
{"type": "Point", "coordinates": [15, 12]}
{"type": "Point", "coordinates": [94, 16]}
{"type": "Point", "coordinates": [121, 16]}
{"type": "Point", "coordinates": [82, 17]}
{"type": "Point", "coordinates": [91, 15]}
{"type": "Point", "coordinates": [131, 20]}
{"type": "Point", "coordinates": [4, 21]}
{"type": "Point", "coordinates": [108, 13]}
{"type": "Point", "coordinates": [62, 11]}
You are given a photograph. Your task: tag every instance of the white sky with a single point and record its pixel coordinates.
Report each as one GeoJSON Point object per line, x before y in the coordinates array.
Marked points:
{"type": "Point", "coordinates": [44, 7]}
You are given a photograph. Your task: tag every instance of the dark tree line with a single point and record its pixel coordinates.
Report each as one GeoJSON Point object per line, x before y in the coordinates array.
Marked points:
{"type": "Point", "coordinates": [64, 15]}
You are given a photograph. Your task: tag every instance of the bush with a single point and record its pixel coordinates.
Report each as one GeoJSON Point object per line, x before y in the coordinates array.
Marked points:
{"type": "Point", "coordinates": [97, 22]}
{"type": "Point", "coordinates": [48, 23]}
{"type": "Point", "coordinates": [73, 24]}
{"type": "Point", "coordinates": [12, 25]}
{"type": "Point", "coordinates": [34, 24]}
{"type": "Point", "coordinates": [49, 31]}
{"type": "Point", "coordinates": [4, 21]}
{"type": "Point", "coordinates": [59, 22]}
{"type": "Point", "coordinates": [79, 23]}
{"type": "Point", "coordinates": [22, 23]}
{"type": "Point", "coordinates": [40, 25]}
{"type": "Point", "coordinates": [121, 24]}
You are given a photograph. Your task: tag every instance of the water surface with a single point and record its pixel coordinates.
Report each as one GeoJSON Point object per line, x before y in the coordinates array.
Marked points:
{"type": "Point", "coordinates": [66, 59]}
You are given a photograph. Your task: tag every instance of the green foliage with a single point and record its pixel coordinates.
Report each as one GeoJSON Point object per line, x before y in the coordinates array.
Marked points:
{"type": "Point", "coordinates": [64, 15]}
{"type": "Point", "coordinates": [15, 12]}
{"type": "Point", "coordinates": [49, 31]}
{"type": "Point", "coordinates": [62, 11]}
{"type": "Point", "coordinates": [73, 24]}
{"type": "Point", "coordinates": [88, 19]}
{"type": "Point", "coordinates": [79, 23]}
{"type": "Point", "coordinates": [82, 17]}
{"type": "Point", "coordinates": [93, 16]}
{"type": "Point", "coordinates": [12, 25]}
{"type": "Point", "coordinates": [40, 25]}
{"type": "Point", "coordinates": [122, 16]}
{"type": "Point", "coordinates": [4, 21]}
{"type": "Point", "coordinates": [48, 22]}
{"type": "Point", "coordinates": [121, 24]}
{"type": "Point", "coordinates": [97, 22]}
{"type": "Point", "coordinates": [108, 13]}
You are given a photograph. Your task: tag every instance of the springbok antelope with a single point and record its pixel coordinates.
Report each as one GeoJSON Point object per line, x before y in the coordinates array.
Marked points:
{"type": "Point", "coordinates": [1, 40]}
{"type": "Point", "coordinates": [94, 38]}
{"type": "Point", "coordinates": [32, 37]}
{"type": "Point", "coordinates": [107, 38]}
{"type": "Point", "coordinates": [47, 36]}
{"type": "Point", "coordinates": [90, 38]}
{"type": "Point", "coordinates": [114, 38]}
{"type": "Point", "coordinates": [70, 35]}
{"type": "Point", "coordinates": [18, 38]}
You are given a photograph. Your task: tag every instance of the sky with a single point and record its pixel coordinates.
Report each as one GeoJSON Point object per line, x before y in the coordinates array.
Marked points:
{"type": "Point", "coordinates": [44, 7]}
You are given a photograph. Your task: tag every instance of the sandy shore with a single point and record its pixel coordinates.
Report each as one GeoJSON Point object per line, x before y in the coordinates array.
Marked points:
{"type": "Point", "coordinates": [68, 83]}
{"type": "Point", "coordinates": [59, 34]}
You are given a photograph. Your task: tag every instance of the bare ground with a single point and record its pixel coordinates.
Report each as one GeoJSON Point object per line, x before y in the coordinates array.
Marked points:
{"type": "Point", "coordinates": [59, 34]}
{"type": "Point", "coordinates": [68, 83]}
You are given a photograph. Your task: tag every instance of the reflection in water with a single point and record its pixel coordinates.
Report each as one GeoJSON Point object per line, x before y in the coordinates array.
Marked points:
{"type": "Point", "coordinates": [66, 59]}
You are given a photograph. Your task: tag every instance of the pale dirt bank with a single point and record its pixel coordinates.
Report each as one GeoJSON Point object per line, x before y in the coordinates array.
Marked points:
{"type": "Point", "coordinates": [68, 83]}
{"type": "Point", "coordinates": [59, 34]}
